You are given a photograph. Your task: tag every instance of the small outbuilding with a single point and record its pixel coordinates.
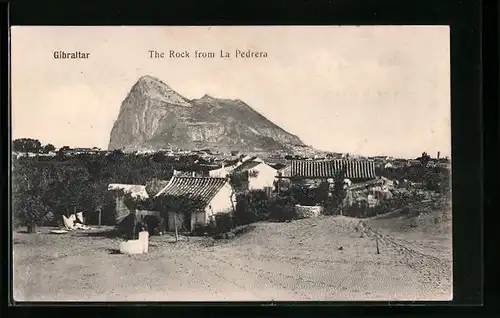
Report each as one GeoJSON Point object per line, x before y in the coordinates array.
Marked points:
{"type": "Point", "coordinates": [195, 201]}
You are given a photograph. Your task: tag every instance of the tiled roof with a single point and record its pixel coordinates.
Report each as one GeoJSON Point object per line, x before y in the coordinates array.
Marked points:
{"type": "Point", "coordinates": [136, 191]}
{"type": "Point", "coordinates": [247, 165]}
{"type": "Point", "coordinates": [203, 189]}
{"type": "Point", "coordinates": [354, 169]}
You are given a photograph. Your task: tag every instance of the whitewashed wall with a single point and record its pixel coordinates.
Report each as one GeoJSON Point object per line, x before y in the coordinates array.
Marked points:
{"type": "Point", "coordinates": [221, 172]}
{"type": "Point", "coordinates": [306, 211]}
{"type": "Point", "coordinates": [221, 203]}
{"type": "Point", "coordinates": [265, 177]}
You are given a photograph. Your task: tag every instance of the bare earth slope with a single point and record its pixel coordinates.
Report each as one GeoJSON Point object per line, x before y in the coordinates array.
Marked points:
{"type": "Point", "coordinates": [329, 258]}
{"type": "Point", "coordinates": [154, 116]}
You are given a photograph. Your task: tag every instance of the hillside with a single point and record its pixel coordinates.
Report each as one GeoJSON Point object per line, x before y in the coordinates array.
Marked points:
{"type": "Point", "coordinates": [154, 116]}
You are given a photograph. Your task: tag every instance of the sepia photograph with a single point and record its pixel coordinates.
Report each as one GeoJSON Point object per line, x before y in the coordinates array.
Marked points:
{"type": "Point", "coordinates": [230, 163]}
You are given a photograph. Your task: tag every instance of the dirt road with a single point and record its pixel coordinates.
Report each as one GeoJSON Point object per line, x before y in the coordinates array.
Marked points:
{"type": "Point", "coordinates": [329, 258]}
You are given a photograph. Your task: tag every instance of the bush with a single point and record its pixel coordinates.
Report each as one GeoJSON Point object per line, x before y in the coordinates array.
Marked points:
{"type": "Point", "coordinates": [282, 209]}
{"type": "Point", "coordinates": [223, 223]}
{"type": "Point", "coordinates": [306, 196]}
{"type": "Point", "coordinates": [437, 179]}
{"type": "Point", "coordinates": [201, 230]}
{"type": "Point", "coordinates": [256, 205]}
{"type": "Point", "coordinates": [385, 207]}
{"type": "Point", "coordinates": [152, 224]}
{"type": "Point", "coordinates": [251, 206]}
{"type": "Point", "coordinates": [218, 227]}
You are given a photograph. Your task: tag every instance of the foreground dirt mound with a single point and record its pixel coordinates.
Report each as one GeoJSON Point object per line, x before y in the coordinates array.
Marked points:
{"type": "Point", "coordinates": [320, 230]}
{"type": "Point", "coordinates": [429, 218]}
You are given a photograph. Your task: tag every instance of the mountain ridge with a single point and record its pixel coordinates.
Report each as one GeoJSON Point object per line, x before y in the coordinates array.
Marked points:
{"type": "Point", "coordinates": [154, 116]}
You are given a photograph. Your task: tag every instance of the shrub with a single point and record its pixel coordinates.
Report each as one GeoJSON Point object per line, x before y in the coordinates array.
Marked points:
{"type": "Point", "coordinates": [437, 179]}
{"type": "Point", "coordinates": [223, 223]}
{"type": "Point", "coordinates": [384, 207]}
{"type": "Point", "coordinates": [282, 209]}
{"type": "Point", "coordinates": [152, 224]}
{"type": "Point", "coordinates": [218, 227]}
{"type": "Point", "coordinates": [251, 206]}
{"type": "Point", "coordinates": [239, 180]}
{"type": "Point", "coordinates": [201, 230]}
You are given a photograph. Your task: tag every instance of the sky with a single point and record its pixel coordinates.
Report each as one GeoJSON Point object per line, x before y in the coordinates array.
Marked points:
{"type": "Point", "coordinates": [370, 90]}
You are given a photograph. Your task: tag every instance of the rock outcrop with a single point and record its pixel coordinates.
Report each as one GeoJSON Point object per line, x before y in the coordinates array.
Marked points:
{"type": "Point", "coordinates": [154, 116]}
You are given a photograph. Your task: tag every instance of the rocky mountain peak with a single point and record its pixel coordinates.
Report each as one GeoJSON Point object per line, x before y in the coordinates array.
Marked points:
{"type": "Point", "coordinates": [206, 96]}
{"type": "Point", "coordinates": [156, 89]}
{"type": "Point", "coordinates": [150, 118]}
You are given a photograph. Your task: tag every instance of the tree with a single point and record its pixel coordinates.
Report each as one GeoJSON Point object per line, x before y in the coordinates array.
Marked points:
{"type": "Point", "coordinates": [69, 188]}
{"type": "Point", "coordinates": [27, 145]}
{"type": "Point", "coordinates": [424, 159]}
{"type": "Point", "coordinates": [239, 180]}
{"type": "Point", "coordinates": [30, 211]}
{"type": "Point", "coordinates": [158, 157]}
{"type": "Point", "coordinates": [48, 148]}
{"type": "Point", "coordinates": [339, 192]}
{"type": "Point", "coordinates": [30, 185]}
{"type": "Point", "coordinates": [154, 186]}
{"type": "Point", "coordinates": [251, 206]}
{"type": "Point", "coordinates": [282, 208]}
{"type": "Point", "coordinates": [132, 202]}
{"type": "Point", "coordinates": [96, 201]}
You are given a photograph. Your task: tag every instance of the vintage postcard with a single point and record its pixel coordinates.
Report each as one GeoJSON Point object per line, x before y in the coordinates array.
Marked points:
{"type": "Point", "coordinates": [231, 163]}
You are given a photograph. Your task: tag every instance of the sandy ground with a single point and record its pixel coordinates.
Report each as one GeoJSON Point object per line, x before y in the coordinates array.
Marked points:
{"type": "Point", "coordinates": [327, 258]}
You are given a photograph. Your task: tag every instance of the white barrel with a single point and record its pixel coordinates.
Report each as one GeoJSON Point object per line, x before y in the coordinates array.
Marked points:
{"type": "Point", "coordinates": [132, 247]}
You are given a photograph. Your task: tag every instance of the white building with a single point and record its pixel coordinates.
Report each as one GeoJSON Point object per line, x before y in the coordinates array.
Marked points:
{"type": "Point", "coordinates": [261, 176]}
{"type": "Point", "coordinates": [226, 170]}
{"type": "Point", "coordinates": [222, 172]}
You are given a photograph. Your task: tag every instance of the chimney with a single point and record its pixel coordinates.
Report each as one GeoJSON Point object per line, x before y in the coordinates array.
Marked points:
{"type": "Point", "coordinates": [223, 165]}
{"type": "Point", "coordinates": [194, 174]}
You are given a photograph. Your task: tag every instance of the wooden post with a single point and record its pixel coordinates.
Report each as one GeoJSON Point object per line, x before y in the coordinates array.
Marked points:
{"type": "Point", "coordinates": [339, 205]}
{"type": "Point", "coordinates": [31, 228]}
{"type": "Point", "coordinates": [134, 223]}
{"type": "Point", "coordinates": [175, 225]}
{"type": "Point", "coordinates": [279, 182]}
{"type": "Point", "coordinates": [99, 217]}
{"type": "Point", "coordinates": [378, 251]}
